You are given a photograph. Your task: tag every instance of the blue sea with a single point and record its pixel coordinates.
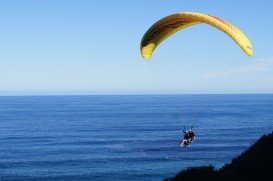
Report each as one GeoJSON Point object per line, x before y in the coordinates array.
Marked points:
{"type": "Point", "coordinates": [133, 137]}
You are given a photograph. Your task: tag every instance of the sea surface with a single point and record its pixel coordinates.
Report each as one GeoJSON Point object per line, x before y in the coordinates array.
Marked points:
{"type": "Point", "coordinates": [124, 137]}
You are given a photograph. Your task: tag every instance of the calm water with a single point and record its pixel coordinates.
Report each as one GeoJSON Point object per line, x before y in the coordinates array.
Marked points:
{"type": "Point", "coordinates": [124, 137]}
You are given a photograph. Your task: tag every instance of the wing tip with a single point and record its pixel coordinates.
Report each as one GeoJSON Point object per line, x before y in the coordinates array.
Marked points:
{"type": "Point", "coordinates": [249, 51]}
{"type": "Point", "coordinates": [147, 51]}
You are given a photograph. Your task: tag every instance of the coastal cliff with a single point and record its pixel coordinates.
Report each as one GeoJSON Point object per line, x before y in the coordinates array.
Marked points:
{"type": "Point", "coordinates": [256, 163]}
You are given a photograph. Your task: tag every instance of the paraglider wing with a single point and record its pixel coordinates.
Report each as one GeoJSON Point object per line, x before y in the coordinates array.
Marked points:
{"type": "Point", "coordinates": [176, 22]}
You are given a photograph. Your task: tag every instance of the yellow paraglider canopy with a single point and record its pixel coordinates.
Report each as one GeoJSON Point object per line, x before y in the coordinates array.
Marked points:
{"type": "Point", "coordinates": [173, 23]}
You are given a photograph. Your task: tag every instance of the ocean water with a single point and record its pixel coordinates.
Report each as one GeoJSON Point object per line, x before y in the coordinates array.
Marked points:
{"type": "Point", "coordinates": [124, 137]}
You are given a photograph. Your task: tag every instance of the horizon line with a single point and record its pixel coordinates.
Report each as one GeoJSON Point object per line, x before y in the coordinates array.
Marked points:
{"type": "Point", "coordinates": [89, 93]}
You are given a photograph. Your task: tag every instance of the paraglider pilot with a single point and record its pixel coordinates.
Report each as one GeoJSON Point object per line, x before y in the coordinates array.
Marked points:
{"type": "Point", "coordinates": [189, 137]}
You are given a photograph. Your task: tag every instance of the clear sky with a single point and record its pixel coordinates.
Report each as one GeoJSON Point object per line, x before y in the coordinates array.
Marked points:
{"type": "Point", "coordinates": [92, 47]}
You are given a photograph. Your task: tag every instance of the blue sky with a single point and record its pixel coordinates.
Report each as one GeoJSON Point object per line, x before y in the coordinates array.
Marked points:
{"type": "Point", "coordinates": [92, 47]}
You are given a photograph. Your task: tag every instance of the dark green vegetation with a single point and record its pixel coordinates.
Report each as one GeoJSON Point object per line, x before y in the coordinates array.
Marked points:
{"type": "Point", "coordinates": [256, 163]}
